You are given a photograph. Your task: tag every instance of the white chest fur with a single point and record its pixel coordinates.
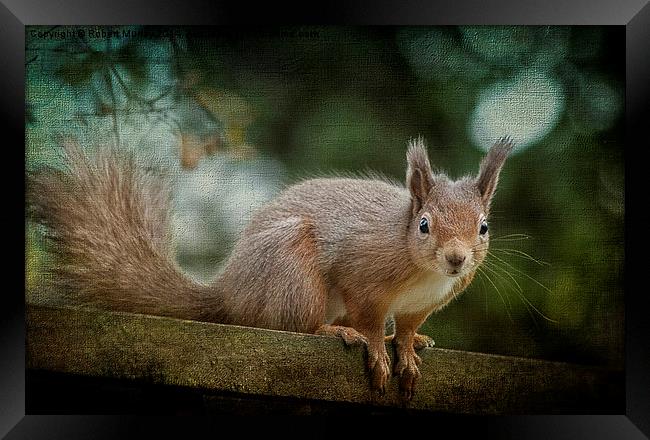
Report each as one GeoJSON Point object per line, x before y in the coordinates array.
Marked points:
{"type": "Point", "coordinates": [426, 292]}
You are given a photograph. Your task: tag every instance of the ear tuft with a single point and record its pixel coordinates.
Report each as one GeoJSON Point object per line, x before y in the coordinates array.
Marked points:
{"type": "Point", "coordinates": [419, 176]}
{"type": "Point", "coordinates": [491, 165]}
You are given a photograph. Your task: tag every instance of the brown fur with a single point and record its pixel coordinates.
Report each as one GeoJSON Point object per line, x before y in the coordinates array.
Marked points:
{"type": "Point", "coordinates": [108, 223]}
{"type": "Point", "coordinates": [332, 256]}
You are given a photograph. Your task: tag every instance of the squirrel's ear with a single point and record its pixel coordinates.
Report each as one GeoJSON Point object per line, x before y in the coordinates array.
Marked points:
{"type": "Point", "coordinates": [491, 165]}
{"type": "Point", "coordinates": [419, 176]}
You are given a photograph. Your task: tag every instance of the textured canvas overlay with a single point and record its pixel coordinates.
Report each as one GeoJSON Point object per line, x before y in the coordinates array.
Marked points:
{"type": "Point", "coordinates": [233, 115]}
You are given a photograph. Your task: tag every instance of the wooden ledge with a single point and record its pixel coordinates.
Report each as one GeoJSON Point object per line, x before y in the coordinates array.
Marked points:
{"type": "Point", "coordinates": [249, 361]}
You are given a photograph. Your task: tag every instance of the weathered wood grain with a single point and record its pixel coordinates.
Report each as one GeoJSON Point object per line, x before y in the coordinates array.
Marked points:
{"type": "Point", "coordinates": [250, 361]}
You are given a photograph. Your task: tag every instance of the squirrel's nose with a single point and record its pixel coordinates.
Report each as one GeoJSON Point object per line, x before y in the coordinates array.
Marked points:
{"type": "Point", "coordinates": [456, 259]}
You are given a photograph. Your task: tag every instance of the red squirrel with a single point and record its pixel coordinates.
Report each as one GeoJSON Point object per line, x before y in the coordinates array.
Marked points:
{"type": "Point", "coordinates": [328, 256]}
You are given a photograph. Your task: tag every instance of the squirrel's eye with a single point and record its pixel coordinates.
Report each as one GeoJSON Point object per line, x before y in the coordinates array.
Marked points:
{"type": "Point", "coordinates": [424, 225]}
{"type": "Point", "coordinates": [484, 228]}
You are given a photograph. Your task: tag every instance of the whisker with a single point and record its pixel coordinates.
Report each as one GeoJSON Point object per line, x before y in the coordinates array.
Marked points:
{"type": "Point", "coordinates": [511, 237]}
{"type": "Point", "coordinates": [479, 276]}
{"type": "Point", "coordinates": [504, 285]}
{"type": "Point", "coordinates": [486, 297]}
{"type": "Point", "coordinates": [522, 254]}
{"type": "Point", "coordinates": [522, 273]}
{"type": "Point", "coordinates": [523, 297]}
{"type": "Point", "coordinates": [521, 291]}
{"type": "Point", "coordinates": [498, 291]}
{"type": "Point", "coordinates": [495, 266]}
{"type": "Point", "coordinates": [498, 277]}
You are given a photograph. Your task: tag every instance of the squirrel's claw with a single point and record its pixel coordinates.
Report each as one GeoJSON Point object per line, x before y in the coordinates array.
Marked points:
{"type": "Point", "coordinates": [379, 367]}
{"type": "Point", "coordinates": [409, 373]}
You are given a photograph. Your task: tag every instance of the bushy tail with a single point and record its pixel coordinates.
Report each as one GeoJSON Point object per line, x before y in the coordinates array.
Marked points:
{"type": "Point", "coordinates": [108, 223]}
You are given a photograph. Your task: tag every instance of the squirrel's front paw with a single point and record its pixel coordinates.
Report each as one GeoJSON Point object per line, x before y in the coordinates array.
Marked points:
{"type": "Point", "coordinates": [407, 370]}
{"type": "Point", "coordinates": [379, 368]}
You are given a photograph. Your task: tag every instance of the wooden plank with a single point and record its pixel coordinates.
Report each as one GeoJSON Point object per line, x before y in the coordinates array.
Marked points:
{"type": "Point", "coordinates": [250, 361]}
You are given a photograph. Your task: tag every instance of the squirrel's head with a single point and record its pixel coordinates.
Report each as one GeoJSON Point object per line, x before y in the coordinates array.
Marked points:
{"type": "Point", "coordinates": [448, 231]}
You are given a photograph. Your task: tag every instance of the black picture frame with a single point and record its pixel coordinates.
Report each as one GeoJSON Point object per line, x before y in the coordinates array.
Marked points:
{"type": "Point", "coordinates": [633, 14]}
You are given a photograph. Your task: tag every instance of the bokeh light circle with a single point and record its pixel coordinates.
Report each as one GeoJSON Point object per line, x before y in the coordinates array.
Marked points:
{"type": "Point", "coordinates": [525, 108]}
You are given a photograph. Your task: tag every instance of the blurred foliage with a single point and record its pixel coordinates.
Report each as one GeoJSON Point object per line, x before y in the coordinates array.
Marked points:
{"type": "Point", "coordinates": [234, 113]}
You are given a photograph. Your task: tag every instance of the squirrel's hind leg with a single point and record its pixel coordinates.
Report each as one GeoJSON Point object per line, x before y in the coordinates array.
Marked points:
{"type": "Point", "coordinates": [273, 278]}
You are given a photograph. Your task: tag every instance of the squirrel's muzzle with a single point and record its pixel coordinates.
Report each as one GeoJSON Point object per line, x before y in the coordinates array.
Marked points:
{"type": "Point", "coordinates": [455, 259]}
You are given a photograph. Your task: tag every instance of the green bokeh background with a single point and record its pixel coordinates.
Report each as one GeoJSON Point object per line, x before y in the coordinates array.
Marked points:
{"type": "Point", "coordinates": [234, 114]}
